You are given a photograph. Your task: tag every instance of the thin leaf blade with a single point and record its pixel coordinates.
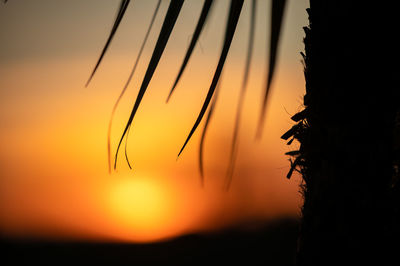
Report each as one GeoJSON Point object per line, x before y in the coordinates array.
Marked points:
{"type": "Point", "coordinates": [202, 19]}
{"type": "Point", "coordinates": [234, 145]}
{"type": "Point", "coordinates": [204, 132]}
{"type": "Point", "coordinates": [121, 12]}
{"type": "Point", "coordinates": [166, 29]}
{"type": "Point", "coordinates": [234, 14]}
{"type": "Point", "coordinates": [277, 13]}
{"type": "Point", "coordinates": [125, 88]}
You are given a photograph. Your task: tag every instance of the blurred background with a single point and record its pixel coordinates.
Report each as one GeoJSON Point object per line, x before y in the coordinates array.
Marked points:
{"type": "Point", "coordinates": [54, 180]}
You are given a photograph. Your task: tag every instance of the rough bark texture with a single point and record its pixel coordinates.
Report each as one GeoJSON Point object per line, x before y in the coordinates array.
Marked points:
{"type": "Point", "coordinates": [349, 135]}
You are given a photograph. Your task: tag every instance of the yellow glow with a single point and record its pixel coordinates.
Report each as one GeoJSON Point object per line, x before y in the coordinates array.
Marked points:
{"type": "Point", "coordinates": [141, 205]}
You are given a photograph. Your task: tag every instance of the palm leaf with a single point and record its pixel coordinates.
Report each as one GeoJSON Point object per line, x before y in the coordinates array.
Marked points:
{"type": "Point", "coordinates": [277, 12]}
{"type": "Point", "coordinates": [122, 8]}
{"type": "Point", "coordinates": [234, 14]}
{"type": "Point", "coordinates": [202, 19]}
{"type": "Point", "coordinates": [204, 132]}
{"type": "Point", "coordinates": [126, 86]}
{"type": "Point", "coordinates": [233, 153]}
{"type": "Point", "coordinates": [167, 27]}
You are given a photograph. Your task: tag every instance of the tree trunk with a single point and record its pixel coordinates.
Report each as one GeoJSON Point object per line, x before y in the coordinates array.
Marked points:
{"type": "Point", "coordinates": [349, 134]}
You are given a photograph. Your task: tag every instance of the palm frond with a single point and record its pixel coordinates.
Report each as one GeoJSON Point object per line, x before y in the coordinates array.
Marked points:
{"type": "Point", "coordinates": [277, 12]}
{"type": "Point", "coordinates": [126, 86]}
{"type": "Point", "coordinates": [122, 8]}
{"type": "Point", "coordinates": [202, 19]}
{"type": "Point", "coordinates": [234, 14]}
{"type": "Point", "coordinates": [166, 29]}
{"type": "Point", "coordinates": [204, 132]}
{"type": "Point", "coordinates": [234, 145]}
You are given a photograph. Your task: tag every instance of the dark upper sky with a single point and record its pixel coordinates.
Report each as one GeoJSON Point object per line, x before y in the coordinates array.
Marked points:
{"type": "Point", "coordinates": [47, 28]}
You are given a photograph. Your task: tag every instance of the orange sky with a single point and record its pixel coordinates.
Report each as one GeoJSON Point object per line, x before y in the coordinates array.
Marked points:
{"type": "Point", "coordinates": [53, 162]}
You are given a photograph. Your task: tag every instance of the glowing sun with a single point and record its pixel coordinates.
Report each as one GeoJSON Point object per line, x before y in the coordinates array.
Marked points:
{"type": "Point", "coordinates": [142, 206]}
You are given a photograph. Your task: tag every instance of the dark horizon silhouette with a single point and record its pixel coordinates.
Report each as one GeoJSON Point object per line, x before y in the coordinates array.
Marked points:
{"type": "Point", "coordinates": [273, 243]}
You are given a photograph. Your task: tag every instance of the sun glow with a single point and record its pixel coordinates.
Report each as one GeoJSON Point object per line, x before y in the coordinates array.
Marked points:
{"type": "Point", "coordinates": [142, 206]}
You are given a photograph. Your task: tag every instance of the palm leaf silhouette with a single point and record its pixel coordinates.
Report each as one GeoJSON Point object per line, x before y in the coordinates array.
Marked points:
{"type": "Point", "coordinates": [277, 10]}
{"type": "Point", "coordinates": [234, 14]}
{"type": "Point", "coordinates": [204, 132]}
{"type": "Point", "coordinates": [234, 144]}
{"type": "Point", "coordinates": [277, 13]}
{"type": "Point", "coordinates": [126, 86]}
{"type": "Point", "coordinates": [122, 8]}
{"type": "Point", "coordinates": [166, 29]}
{"type": "Point", "coordinates": [202, 19]}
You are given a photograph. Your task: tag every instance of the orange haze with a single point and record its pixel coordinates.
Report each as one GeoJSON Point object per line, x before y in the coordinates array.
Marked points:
{"type": "Point", "coordinates": [53, 162]}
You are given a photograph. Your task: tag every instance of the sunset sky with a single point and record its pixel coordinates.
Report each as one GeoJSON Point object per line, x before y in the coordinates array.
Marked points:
{"type": "Point", "coordinates": [54, 180]}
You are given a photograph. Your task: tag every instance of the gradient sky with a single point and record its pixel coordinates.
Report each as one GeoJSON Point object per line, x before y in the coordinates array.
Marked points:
{"type": "Point", "coordinates": [53, 131]}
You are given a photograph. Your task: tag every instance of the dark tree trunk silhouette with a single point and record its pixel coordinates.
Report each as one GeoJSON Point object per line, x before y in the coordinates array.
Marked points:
{"type": "Point", "coordinates": [349, 135]}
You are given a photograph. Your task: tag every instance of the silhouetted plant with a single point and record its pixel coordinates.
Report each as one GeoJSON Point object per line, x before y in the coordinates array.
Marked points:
{"type": "Point", "coordinates": [167, 27]}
